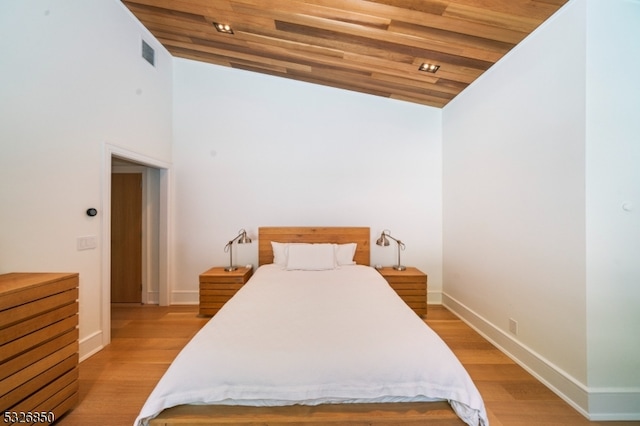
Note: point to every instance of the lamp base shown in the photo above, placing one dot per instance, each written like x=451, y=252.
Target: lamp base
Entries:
x=399, y=267
x=230, y=268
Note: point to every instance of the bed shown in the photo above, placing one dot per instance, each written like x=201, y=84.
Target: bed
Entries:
x=308, y=341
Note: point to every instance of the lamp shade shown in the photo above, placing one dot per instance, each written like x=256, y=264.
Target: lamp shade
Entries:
x=244, y=239
x=383, y=240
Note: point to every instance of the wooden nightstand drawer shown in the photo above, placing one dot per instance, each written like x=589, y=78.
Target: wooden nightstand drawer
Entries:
x=411, y=286
x=220, y=287
x=217, y=286
x=233, y=278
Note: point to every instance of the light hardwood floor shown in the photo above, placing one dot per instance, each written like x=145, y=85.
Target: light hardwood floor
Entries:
x=115, y=382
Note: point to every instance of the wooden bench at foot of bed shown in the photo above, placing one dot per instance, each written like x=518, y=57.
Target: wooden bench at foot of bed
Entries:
x=384, y=414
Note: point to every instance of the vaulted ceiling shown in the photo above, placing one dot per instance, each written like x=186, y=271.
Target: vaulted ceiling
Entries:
x=368, y=46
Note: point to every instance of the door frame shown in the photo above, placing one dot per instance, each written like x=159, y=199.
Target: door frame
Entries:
x=164, y=232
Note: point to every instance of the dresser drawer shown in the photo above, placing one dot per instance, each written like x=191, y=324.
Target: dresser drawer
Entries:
x=38, y=342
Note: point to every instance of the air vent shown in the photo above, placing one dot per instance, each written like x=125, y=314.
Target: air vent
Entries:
x=148, y=53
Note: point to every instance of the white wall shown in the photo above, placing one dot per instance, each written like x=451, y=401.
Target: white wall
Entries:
x=254, y=150
x=514, y=196
x=72, y=82
x=613, y=207
x=539, y=157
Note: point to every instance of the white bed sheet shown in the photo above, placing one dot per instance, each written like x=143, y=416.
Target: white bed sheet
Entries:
x=313, y=337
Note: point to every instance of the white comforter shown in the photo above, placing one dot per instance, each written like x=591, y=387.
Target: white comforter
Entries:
x=312, y=337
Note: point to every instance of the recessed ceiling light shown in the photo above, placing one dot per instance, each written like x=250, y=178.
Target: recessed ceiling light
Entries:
x=432, y=68
x=223, y=28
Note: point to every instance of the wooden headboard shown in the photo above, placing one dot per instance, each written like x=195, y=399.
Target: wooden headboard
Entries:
x=337, y=235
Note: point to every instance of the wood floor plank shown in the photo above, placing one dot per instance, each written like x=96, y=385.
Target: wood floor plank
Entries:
x=115, y=383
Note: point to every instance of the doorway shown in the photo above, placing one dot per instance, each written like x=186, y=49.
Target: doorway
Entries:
x=156, y=250
x=126, y=238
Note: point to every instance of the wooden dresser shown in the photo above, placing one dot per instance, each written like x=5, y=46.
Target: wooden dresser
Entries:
x=217, y=286
x=38, y=346
x=411, y=286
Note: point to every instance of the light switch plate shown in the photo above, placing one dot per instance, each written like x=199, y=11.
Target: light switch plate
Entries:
x=86, y=243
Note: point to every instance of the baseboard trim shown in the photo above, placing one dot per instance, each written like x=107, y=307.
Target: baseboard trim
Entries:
x=561, y=383
x=185, y=297
x=90, y=345
x=434, y=298
x=621, y=404
x=596, y=404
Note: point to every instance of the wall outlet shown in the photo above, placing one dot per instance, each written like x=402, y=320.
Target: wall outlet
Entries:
x=513, y=326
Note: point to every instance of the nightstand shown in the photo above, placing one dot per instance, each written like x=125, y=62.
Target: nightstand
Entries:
x=217, y=286
x=411, y=286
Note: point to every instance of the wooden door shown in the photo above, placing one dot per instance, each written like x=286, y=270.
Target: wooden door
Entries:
x=126, y=238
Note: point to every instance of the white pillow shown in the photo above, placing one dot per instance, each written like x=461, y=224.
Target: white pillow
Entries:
x=345, y=253
x=311, y=257
x=279, y=253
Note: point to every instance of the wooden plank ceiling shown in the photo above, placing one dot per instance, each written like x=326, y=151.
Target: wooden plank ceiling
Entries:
x=369, y=46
